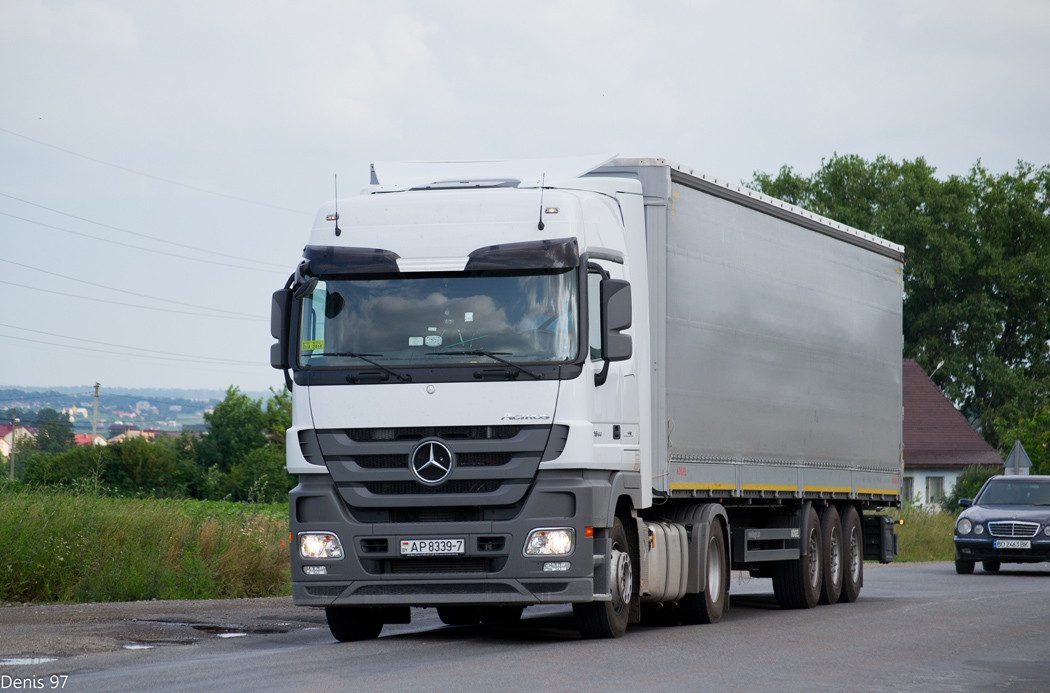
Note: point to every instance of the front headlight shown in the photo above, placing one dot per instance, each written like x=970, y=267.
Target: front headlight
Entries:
x=550, y=542
x=1046, y=530
x=978, y=529
x=963, y=527
x=314, y=545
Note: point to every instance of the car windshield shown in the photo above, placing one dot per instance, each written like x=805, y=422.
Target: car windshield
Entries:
x=521, y=317
x=1015, y=492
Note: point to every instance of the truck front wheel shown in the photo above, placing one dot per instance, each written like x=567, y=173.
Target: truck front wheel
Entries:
x=349, y=623
x=609, y=619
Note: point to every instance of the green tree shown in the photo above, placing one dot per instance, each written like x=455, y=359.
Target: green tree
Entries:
x=54, y=433
x=977, y=272
x=967, y=485
x=1034, y=434
x=236, y=427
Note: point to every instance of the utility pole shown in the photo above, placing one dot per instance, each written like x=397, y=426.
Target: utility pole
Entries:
x=14, y=421
x=94, y=416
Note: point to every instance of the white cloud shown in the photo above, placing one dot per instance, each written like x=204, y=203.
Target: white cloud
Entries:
x=88, y=22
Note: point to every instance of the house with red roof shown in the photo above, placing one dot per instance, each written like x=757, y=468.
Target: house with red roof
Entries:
x=938, y=440
x=85, y=439
x=21, y=437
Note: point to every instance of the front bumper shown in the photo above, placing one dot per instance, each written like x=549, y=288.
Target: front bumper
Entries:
x=982, y=549
x=492, y=570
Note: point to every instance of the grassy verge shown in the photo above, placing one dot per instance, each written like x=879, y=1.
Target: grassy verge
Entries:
x=80, y=546
x=926, y=535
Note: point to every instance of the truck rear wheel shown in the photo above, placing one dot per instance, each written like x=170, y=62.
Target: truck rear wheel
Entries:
x=831, y=528
x=609, y=619
x=853, y=552
x=796, y=584
x=349, y=623
x=709, y=605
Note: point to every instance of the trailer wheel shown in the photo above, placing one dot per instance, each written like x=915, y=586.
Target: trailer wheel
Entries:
x=796, y=584
x=853, y=553
x=459, y=615
x=831, y=528
x=349, y=623
x=991, y=566
x=709, y=605
x=963, y=567
x=609, y=619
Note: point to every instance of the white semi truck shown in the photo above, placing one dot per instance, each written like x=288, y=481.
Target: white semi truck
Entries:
x=588, y=381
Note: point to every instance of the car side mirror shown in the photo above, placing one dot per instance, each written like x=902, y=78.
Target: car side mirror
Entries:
x=965, y=502
x=280, y=310
x=616, y=316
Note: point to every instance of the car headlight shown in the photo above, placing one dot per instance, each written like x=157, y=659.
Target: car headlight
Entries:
x=1046, y=530
x=978, y=529
x=314, y=545
x=550, y=542
x=964, y=526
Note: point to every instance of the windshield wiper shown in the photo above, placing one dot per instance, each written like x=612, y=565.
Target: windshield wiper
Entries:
x=491, y=355
x=403, y=378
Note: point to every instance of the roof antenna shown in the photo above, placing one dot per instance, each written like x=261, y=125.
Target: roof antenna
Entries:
x=542, y=179
x=335, y=217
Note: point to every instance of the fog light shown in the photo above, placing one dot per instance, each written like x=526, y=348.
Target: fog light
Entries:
x=315, y=569
x=964, y=526
x=978, y=529
x=319, y=545
x=550, y=542
x=552, y=567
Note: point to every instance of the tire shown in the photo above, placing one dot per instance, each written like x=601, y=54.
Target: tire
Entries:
x=991, y=566
x=831, y=530
x=609, y=619
x=459, y=615
x=709, y=605
x=852, y=554
x=500, y=614
x=796, y=584
x=964, y=567
x=349, y=624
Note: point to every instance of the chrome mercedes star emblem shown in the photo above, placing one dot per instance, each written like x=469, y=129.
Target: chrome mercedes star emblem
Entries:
x=431, y=462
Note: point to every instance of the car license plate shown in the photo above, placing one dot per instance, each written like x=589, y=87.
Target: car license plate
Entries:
x=1012, y=544
x=431, y=547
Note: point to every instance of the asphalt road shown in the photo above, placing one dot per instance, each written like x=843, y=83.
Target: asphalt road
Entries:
x=916, y=627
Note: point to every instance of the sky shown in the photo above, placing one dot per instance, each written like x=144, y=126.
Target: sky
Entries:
x=161, y=163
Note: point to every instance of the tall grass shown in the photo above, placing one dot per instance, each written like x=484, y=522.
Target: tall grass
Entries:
x=926, y=535
x=77, y=545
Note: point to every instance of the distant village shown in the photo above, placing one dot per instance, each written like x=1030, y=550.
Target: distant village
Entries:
x=119, y=416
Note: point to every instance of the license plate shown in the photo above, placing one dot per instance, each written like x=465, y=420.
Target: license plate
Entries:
x=1012, y=544
x=431, y=547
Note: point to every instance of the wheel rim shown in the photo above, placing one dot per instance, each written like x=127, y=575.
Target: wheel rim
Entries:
x=714, y=570
x=835, y=556
x=624, y=575
x=814, y=559
x=854, y=556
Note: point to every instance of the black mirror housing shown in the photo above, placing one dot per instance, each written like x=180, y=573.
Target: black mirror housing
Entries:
x=280, y=312
x=966, y=502
x=616, y=316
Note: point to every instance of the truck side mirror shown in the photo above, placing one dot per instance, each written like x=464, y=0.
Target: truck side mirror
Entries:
x=280, y=310
x=616, y=316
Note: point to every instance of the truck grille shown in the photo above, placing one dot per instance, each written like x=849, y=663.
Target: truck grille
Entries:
x=466, y=459
x=399, y=488
x=371, y=435
x=439, y=565
x=1013, y=529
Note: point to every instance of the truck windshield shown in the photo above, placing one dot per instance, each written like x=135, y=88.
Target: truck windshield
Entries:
x=521, y=316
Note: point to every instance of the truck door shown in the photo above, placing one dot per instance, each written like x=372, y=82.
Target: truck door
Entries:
x=614, y=409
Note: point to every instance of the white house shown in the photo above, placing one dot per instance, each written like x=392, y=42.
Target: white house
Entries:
x=938, y=440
